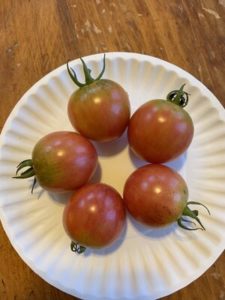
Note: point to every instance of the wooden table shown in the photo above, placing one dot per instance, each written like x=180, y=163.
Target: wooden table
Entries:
x=36, y=36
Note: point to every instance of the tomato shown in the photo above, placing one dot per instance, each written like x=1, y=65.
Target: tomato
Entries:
x=156, y=195
x=61, y=161
x=99, y=109
x=94, y=216
x=160, y=131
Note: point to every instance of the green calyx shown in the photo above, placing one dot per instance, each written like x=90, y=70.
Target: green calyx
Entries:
x=87, y=74
x=191, y=214
x=178, y=97
x=77, y=248
x=29, y=172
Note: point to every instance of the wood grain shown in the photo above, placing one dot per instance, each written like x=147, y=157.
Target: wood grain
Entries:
x=37, y=36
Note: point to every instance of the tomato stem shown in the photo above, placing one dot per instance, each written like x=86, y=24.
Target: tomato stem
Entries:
x=193, y=214
x=77, y=248
x=29, y=172
x=178, y=97
x=87, y=74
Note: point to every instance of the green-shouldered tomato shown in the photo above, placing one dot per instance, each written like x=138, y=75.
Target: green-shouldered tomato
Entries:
x=159, y=130
x=156, y=195
x=99, y=109
x=61, y=161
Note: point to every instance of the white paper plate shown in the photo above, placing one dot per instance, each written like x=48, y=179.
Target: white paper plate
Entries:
x=143, y=263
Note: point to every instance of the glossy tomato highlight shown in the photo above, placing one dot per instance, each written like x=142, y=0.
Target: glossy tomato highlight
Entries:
x=61, y=161
x=94, y=216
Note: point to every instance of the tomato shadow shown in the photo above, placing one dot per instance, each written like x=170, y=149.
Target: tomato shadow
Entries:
x=36, y=190
x=113, y=147
x=136, y=160
x=152, y=232
x=111, y=248
x=60, y=198
x=176, y=164
x=97, y=176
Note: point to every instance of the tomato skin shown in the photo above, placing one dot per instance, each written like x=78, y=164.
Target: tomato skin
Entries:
x=94, y=216
x=160, y=131
x=63, y=161
x=155, y=195
x=100, y=111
